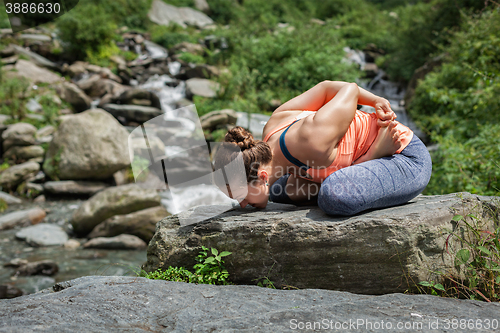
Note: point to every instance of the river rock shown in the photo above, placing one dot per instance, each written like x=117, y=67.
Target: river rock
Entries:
x=44, y=267
x=117, y=200
x=35, y=58
x=201, y=87
x=136, y=113
x=165, y=14
x=372, y=253
x=141, y=224
x=74, y=187
x=202, y=5
x=187, y=47
x=18, y=153
x=70, y=93
x=117, y=303
x=213, y=119
x=10, y=60
x=8, y=291
x=43, y=234
x=15, y=175
x=22, y=218
x=9, y=199
x=129, y=96
x=76, y=69
x=121, y=242
x=104, y=72
x=19, y=134
x=89, y=145
x=34, y=73
x=72, y=244
x=45, y=131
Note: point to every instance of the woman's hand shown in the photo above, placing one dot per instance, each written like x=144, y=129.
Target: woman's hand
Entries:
x=384, y=112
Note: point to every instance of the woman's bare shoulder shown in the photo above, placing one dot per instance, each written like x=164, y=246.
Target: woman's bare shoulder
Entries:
x=279, y=118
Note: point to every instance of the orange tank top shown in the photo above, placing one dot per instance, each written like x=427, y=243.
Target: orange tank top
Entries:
x=355, y=143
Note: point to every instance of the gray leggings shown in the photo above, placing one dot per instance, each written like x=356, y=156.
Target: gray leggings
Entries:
x=384, y=182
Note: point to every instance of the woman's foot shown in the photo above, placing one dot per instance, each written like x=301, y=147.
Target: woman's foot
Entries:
x=386, y=144
x=387, y=141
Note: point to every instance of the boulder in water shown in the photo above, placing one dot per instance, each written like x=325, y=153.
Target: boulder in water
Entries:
x=121, y=242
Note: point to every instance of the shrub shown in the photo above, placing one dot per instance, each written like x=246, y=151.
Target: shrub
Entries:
x=82, y=34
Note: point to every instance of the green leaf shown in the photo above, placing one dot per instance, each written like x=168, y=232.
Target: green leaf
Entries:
x=484, y=250
x=209, y=260
x=457, y=218
x=463, y=256
x=425, y=284
x=214, y=251
x=225, y=253
x=439, y=286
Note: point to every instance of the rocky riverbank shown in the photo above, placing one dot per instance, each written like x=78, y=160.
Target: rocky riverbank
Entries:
x=104, y=304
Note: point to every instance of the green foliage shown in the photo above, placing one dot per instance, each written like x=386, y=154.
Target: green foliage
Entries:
x=178, y=274
x=3, y=205
x=130, y=13
x=418, y=29
x=4, y=18
x=209, y=270
x=477, y=264
x=168, y=36
x=82, y=34
x=458, y=105
x=14, y=93
x=192, y=58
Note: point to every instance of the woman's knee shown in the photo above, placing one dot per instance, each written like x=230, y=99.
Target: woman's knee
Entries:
x=336, y=199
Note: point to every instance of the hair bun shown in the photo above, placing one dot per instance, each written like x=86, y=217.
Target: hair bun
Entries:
x=243, y=138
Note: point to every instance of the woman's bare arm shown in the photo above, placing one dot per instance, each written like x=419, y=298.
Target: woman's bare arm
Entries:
x=322, y=93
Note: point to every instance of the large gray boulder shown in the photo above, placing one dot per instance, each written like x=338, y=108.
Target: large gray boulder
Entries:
x=123, y=304
x=89, y=145
x=117, y=200
x=376, y=252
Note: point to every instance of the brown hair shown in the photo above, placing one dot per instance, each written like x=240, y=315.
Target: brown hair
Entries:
x=255, y=152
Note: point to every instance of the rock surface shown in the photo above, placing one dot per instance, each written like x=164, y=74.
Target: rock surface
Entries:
x=164, y=14
x=22, y=218
x=43, y=267
x=70, y=93
x=135, y=113
x=371, y=253
x=16, y=174
x=89, y=145
x=43, y=234
x=104, y=304
x=201, y=87
x=19, y=134
x=121, y=242
x=74, y=187
x=117, y=200
x=34, y=73
x=141, y=224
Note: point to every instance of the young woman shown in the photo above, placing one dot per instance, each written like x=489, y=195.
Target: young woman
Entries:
x=318, y=146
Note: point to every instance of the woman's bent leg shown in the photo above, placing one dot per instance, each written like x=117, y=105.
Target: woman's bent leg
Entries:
x=379, y=183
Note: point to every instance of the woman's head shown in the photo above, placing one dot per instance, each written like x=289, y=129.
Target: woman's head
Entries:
x=256, y=156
